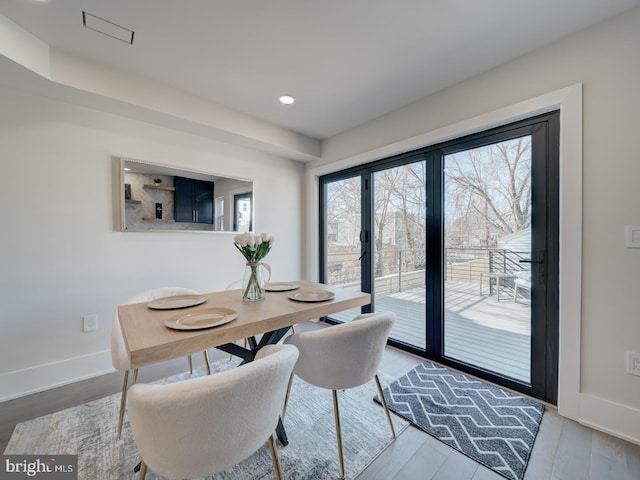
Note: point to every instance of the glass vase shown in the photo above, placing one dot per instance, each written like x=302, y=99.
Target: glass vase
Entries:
x=256, y=276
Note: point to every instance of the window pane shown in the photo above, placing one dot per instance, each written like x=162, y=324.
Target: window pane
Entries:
x=342, y=238
x=399, y=249
x=487, y=206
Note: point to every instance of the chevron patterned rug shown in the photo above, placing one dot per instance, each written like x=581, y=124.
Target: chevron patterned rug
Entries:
x=492, y=426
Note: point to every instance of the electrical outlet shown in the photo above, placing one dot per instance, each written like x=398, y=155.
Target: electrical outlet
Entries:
x=633, y=363
x=90, y=323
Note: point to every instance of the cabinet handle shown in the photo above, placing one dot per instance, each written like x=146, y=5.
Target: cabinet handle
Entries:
x=196, y=216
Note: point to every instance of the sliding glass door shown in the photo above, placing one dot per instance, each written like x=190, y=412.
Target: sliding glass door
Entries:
x=373, y=238
x=460, y=240
x=487, y=247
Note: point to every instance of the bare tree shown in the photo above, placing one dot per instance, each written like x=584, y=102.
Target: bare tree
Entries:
x=343, y=210
x=384, y=187
x=400, y=208
x=490, y=187
x=411, y=194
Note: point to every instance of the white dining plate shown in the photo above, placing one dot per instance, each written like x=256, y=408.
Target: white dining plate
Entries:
x=312, y=296
x=281, y=287
x=202, y=318
x=177, y=301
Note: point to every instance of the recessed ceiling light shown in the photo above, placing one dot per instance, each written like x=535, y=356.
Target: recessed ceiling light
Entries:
x=287, y=99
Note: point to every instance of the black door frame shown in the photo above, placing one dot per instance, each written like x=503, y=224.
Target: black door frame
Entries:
x=545, y=292
x=545, y=133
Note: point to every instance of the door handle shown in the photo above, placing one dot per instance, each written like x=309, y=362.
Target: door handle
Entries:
x=525, y=260
x=364, y=238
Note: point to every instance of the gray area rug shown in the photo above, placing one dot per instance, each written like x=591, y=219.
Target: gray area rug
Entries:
x=492, y=426
x=89, y=430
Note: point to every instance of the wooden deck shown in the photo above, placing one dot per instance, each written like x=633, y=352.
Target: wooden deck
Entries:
x=479, y=330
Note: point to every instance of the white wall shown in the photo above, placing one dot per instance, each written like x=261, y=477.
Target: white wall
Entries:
x=61, y=255
x=605, y=59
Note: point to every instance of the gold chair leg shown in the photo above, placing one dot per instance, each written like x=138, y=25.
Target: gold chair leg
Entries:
x=274, y=457
x=286, y=397
x=293, y=329
x=123, y=402
x=123, y=398
x=190, y=365
x=384, y=404
x=206, y=362
x=336, y=413
x=143, y=470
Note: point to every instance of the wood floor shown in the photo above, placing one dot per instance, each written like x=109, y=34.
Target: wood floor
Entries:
x=564, y=450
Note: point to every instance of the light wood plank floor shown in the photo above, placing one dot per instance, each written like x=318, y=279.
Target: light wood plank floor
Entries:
x=564, y=450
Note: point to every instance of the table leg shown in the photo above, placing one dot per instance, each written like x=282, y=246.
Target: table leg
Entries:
x=281, y=433
x=273, y=337
x=246, y=354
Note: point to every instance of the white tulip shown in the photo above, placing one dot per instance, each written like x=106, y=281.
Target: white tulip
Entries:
x=253, y=246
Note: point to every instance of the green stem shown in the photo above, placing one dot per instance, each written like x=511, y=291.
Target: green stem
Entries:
x=252, y=284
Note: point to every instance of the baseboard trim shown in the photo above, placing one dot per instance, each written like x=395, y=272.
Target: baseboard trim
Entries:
x=612, y=418
x=44, y=377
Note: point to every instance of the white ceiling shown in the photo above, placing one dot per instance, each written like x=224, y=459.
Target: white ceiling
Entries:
x=345, y=61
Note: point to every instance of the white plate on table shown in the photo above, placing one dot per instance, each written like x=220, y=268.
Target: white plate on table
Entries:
x=177, y=301
x=281, y=287
x=312, y=296
x=202, y=318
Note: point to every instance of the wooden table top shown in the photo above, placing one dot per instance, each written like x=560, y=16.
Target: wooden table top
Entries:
x=149, y=341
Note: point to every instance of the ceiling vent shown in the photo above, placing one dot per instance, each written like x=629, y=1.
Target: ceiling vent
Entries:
x=107, y=28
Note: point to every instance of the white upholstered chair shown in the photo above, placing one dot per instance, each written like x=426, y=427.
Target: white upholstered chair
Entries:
x=200, y=426
x=344, y=356
x=119, y=356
